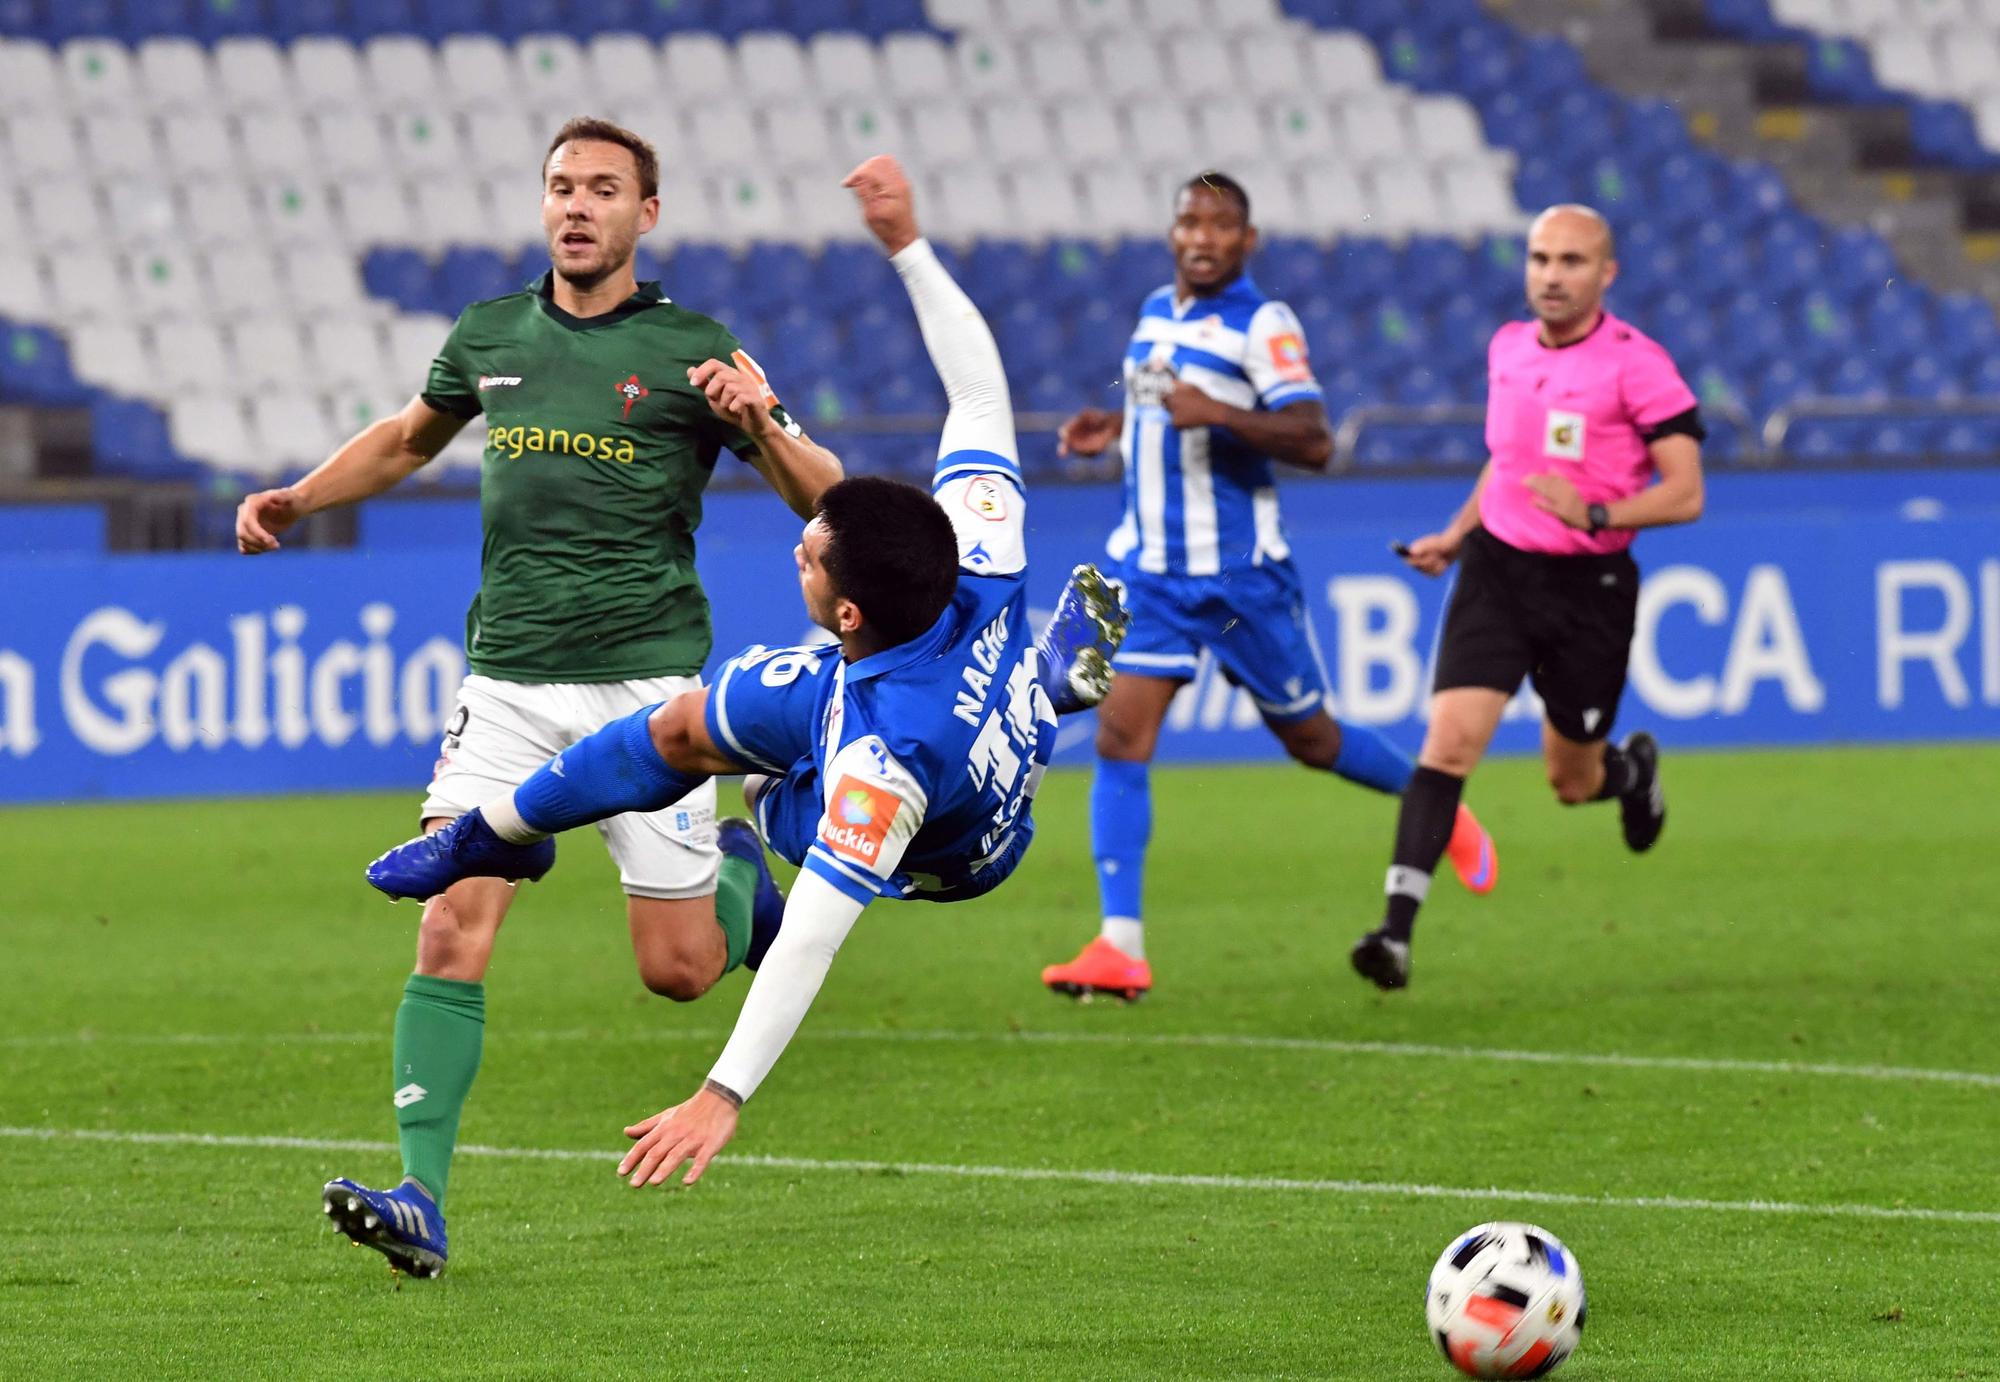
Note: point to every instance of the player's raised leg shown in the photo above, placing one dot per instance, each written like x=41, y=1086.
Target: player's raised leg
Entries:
x=1080, y=640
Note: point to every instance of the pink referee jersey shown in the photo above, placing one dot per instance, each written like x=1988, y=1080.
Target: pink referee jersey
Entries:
x=1580, y=410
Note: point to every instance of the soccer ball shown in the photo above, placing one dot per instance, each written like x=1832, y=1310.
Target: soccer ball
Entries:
x=1506, y=1300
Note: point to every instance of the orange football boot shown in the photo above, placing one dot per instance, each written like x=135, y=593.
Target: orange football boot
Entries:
x=1472, y=854
x=1101, y=967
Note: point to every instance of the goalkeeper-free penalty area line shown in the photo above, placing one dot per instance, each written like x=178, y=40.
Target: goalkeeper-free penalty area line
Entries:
x=1057, y=1174
x=1244, y=1041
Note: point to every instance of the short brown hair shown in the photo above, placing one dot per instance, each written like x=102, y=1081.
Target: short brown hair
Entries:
x=590, y=127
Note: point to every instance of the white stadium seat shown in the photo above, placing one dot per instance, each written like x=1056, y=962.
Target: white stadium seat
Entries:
x=479, y=74
x=191, y=357
x=251, y=74
x=1969, y=60
x=346, y=353
x=269, y=354
x=971, y=202
x=1202, y=68
x=1277, y=59
x=1275, y=204
x=220, y=213
x=721, y=136
x=942, y=133
x=1230, y=135
x=212, y=429
x=241, y=282
x=99, y=75
x=401, y=70
x=425, y=143
x=1129, y=68
x=1988, y=118
x=1058, y=66
x=1018, y=136
x=1374, y=129
x=750, y=205
x=1332, y=201
x=1180, y=16
x=324, y=280
x=822, y=210
x=916, y=66
x=1904, y=60
x=296, y=210
x=277, y=143
x=1045, y=205
x=290, y=430
x=1342, y=62
x=548, y=70
x=1108, y=18
x=327, y=74
x=1118, y=202
x=199, y=143
x=144, y=211
x=120, y=145
x=796, y=136
x=448, y=212
x=1247, y=16
x=1445, y=127
x=176, y=75
x=843, y=65
x=1087, y=133
x=1020, y=17
x=1479, y=196
x=771, y=67
x=960, y=14
x=43, y=143
x=352, y=407
x=622, y=68
x=687, y=208
x=164, y=283
x=414, y=341
x=869, y=127
x=86, y=285
x=513, y=206
x=29, y=77
x=699, y=68
x=352, y=144
x=1820, y=16
x=376, y=211
x=988, y=67
x=1162, y=136
x=24, y=292
x=112, y=355
x=1404, y=200
x=505, y=142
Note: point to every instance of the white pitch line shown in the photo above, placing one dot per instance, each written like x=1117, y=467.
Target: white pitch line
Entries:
x=1060, y=1174
x=1894, y=1074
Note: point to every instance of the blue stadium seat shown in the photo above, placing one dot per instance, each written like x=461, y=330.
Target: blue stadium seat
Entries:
x=799, y=343
x=1902, y=438
x=21, y=19
x=1825, y=439
x=1138, y=267
x=139, y=20
x=516, y=18
x=295, y=19
x=1943, y=132
x=999, y=272
x=1421, y=387
x=739, y=17
x=1071, y=271
x=1362, y=272
x=823, y=401
x=877, y=18
x=440, y=19
x=884, y=341
x=1051, y=391
x=1030, y=339
x=81, y=19
x=467, y=275
x=1859, y=261
x=1430, y=268
x=1925, y=377
x=905, y=391
x=849, y=276
x=1099, y=335
x=772, y=276
x=403, y=276
x=1970, y=439
x=1780, y=382
x=590, y=17
x=130, y=438
x=1345, y=387
x=1853, y=377
x=218, y=19
x=702, y=277
x=1838, y=69
x=1984, y=377
x=34, y=368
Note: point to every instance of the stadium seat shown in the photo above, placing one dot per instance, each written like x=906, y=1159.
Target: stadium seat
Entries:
x=129, y=437
x=176, y=75
x=987, y=66
x=916, y=66
x=942, y=134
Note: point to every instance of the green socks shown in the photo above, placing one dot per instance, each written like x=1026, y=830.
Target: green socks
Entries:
x=735, y=892
x=438, y=1031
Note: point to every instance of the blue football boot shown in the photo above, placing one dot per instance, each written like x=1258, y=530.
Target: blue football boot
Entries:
x=738, y=838
x=402, y=1224
x=467, y=848
x=1080, y=640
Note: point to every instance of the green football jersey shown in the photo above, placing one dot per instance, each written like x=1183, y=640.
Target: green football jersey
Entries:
x=597, y=452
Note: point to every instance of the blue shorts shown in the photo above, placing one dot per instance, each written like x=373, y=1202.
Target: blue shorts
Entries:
x=1254, y=622
x=764, y=702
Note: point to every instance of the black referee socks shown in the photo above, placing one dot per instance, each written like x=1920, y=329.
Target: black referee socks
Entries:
x=1621, y=774
x=1423, y=829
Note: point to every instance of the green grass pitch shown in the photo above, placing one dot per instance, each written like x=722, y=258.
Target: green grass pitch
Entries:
x=1813, y=941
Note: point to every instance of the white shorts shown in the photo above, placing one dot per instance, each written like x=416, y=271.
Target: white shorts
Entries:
x=501, y=731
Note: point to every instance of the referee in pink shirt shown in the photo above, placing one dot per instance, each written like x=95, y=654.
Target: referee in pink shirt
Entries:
x=1592, y=434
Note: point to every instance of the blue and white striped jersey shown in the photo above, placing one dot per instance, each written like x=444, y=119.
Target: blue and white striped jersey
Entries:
x=1200, y=502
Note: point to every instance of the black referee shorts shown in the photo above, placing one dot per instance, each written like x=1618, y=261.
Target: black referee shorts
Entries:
x=1564, y=621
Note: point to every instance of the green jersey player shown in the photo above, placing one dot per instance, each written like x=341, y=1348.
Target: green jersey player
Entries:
x=606, y=407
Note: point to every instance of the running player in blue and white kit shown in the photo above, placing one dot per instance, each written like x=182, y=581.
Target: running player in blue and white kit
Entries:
x=1218, y=385
x=898, y=761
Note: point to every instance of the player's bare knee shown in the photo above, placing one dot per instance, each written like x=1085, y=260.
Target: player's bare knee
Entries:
x=673, y=728
x=1126, y=743
x=1572, y=786
x=682, y=978
x=1314, y=742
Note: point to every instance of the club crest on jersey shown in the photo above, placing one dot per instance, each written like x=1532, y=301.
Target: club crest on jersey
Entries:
x=631, y=391
x=1564, y=439
x=984, y=497
x=858, y=817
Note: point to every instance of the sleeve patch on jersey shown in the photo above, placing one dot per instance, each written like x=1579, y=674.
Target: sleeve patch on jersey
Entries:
x=987, y=499
x=750, y=367
x=858, y=817
x=1288, y=356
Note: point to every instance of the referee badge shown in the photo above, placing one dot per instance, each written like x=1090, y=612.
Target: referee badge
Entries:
x=1564, y=439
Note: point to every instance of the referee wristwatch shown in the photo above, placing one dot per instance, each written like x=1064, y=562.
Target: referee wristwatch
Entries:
x=1598, y=517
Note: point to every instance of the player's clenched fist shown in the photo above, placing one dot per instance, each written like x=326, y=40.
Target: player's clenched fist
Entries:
x=1089, y=432
x=262, y=516
x=735, y=395
x=1432, y=553
x=883, y=190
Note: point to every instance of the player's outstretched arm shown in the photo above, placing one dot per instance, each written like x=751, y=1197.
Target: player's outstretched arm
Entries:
x=793, y=464
x=377, y=458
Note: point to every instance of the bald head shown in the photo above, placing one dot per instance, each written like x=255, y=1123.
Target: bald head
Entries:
x=1570, y=265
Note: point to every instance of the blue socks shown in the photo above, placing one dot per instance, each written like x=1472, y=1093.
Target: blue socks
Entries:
x=1121, y=823
x=606, y=774
x=1371, y=760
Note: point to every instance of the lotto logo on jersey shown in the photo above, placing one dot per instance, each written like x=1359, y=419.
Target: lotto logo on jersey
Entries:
x=858, y=817
x=1288, y=356
x=1565, y=436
